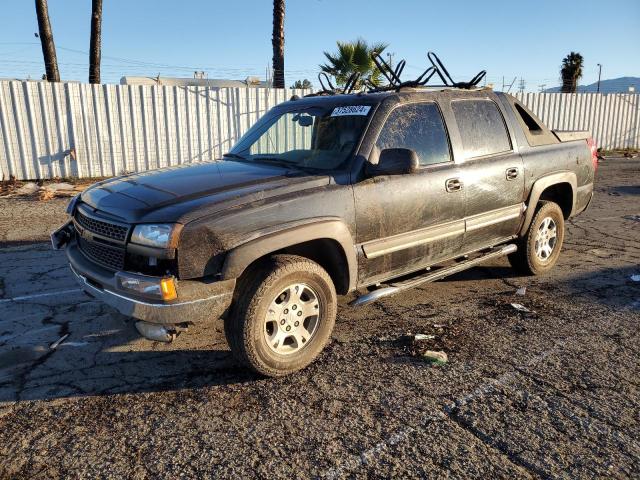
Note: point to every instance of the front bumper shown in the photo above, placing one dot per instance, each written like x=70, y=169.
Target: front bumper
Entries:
x=197, y=301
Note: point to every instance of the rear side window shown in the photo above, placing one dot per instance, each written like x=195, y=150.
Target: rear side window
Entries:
x=528, y=120
x=532, y=127
x=418, y=127
x=481, y=126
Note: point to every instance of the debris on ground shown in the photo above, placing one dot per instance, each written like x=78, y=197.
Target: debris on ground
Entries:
x=60, y=186
x=57, y=343
x=635, y=218
x=635, y=278
x=27, y=189
x=435, y=358
x=420, y=337
x=521, y=308
x=45, y=190
x=522, y=291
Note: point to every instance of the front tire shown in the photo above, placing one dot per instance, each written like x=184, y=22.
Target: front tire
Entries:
x=539, y=249
x=283, y=317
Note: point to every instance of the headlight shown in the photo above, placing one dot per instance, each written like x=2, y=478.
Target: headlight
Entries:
x=153, y=235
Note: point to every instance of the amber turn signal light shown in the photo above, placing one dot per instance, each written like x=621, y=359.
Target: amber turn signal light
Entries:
x=168, y=287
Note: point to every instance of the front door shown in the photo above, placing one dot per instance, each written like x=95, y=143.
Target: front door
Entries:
x=407, y=222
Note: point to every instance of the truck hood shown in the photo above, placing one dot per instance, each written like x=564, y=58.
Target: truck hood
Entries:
x=180, y=193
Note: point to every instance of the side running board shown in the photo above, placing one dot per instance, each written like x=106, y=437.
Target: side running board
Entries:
x=441, y=273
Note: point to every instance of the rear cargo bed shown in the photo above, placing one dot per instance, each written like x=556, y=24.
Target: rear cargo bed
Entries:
x=571, y=135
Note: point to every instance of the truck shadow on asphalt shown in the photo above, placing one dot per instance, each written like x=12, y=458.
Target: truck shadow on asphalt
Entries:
x=69, y=372
x=104, y=355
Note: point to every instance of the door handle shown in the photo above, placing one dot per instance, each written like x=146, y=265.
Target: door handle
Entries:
x=453, y=185
x=512, y=173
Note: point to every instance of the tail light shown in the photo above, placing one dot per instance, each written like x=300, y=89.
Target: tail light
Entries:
x=591, y=143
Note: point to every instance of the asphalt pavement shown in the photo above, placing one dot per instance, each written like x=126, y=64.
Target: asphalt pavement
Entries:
x=549, y=393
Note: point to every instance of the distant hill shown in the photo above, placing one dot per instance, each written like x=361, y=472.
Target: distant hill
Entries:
x=613, y=85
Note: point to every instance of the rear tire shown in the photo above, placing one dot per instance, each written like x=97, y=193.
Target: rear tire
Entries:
x=539, y=249
x=283, y=316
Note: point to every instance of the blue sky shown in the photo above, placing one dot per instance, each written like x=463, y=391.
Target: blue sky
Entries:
x=232, y=39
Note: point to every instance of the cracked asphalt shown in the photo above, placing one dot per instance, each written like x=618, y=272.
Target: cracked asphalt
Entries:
x=553, y=393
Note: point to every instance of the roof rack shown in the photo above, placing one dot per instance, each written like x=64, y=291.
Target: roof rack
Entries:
x=329, y=89
x=436, y=68
x=393, y=75
x=395, y=83
x=446, y=78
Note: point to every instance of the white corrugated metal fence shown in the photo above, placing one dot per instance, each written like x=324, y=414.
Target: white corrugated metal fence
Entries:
x=52, y=130
x=613, y=119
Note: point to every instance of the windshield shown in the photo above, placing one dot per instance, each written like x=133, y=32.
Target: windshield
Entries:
x=320, y=138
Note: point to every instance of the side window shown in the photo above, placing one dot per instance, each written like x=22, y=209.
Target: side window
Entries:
x=481, y=127
x=420, y=128
x=532, y=127
x=528, y=120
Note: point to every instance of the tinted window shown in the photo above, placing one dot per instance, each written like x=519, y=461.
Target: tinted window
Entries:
x=311, y=137
x=481, y=127
x=528, y=120
x=420, y=128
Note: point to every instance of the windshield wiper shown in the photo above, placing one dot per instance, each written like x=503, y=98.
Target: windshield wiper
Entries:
x=283, y=163
x=234, y=155
x=274, y=161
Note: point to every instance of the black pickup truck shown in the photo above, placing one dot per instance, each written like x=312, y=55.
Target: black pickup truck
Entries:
x=324, y=196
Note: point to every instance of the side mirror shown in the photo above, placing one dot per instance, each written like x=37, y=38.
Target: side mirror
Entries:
x=394, y=161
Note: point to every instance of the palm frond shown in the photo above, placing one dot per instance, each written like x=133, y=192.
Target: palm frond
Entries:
x=353, y=57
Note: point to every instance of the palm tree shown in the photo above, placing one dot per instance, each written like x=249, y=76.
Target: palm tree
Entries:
x=94, y=43
x=46, y=39
x=277, y=41
x=571, y=72
x=354, y=57
x=304, y=84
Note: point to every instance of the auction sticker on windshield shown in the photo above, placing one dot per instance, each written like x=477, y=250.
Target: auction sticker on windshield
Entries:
x=351, y=110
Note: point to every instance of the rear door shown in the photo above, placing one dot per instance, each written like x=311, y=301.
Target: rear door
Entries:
x=492, y=173
x=404, y=222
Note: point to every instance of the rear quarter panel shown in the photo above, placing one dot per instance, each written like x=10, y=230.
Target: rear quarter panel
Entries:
x=544, y=160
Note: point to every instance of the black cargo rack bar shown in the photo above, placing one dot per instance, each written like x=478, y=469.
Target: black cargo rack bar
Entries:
x=447, y=81
x=393, y=77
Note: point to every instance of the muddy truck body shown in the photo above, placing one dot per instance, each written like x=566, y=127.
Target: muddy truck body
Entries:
x=326, y=196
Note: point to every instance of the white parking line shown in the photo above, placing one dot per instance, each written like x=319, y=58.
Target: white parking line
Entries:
x=39, y=295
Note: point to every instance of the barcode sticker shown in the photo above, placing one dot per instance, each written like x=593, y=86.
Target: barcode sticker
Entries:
x=351, y=110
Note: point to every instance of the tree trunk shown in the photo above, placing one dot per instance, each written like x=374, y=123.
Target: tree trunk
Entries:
x=46, y=39
x=569, y=84
x=94, y=47
x=278, y=43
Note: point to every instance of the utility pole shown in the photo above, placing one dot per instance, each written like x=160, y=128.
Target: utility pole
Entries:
x=522, y=85
x=390, y=57
x=541, y=87
x=599, y=74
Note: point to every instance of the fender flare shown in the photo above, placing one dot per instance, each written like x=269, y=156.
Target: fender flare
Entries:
x=540, y=186
x=240, y=257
